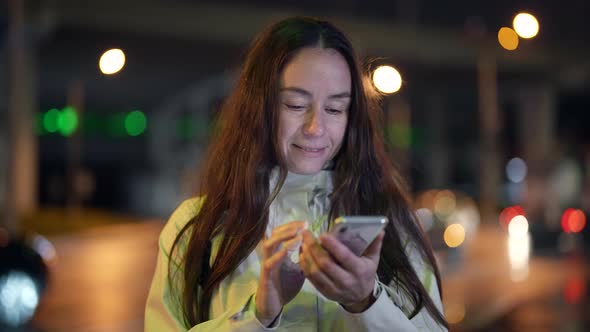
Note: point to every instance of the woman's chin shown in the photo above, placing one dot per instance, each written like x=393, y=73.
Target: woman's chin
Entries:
x=306, y=169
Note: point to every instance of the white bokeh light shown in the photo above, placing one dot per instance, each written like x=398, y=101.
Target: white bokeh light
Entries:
x=519, y=248
x=519, y=253
x=525, y=25
x=387, y=79
x=518, y=227
x=112, y=61
x=18, y=298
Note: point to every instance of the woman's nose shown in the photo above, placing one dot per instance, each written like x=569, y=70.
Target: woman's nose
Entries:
x=314, y=125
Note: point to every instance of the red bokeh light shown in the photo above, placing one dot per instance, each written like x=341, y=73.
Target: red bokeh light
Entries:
x=565, y=220
x=509, y=213
x=573, y=220
x=575, y=290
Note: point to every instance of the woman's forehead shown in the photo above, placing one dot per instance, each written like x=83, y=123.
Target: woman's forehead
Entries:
x=313, y=69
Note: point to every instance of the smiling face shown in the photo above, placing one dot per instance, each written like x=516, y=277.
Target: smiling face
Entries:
x=314, y=101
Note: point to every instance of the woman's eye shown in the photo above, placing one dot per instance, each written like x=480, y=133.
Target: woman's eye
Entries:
x=333, y=111
x=294, y=107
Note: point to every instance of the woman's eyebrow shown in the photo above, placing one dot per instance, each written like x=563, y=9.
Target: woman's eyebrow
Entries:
x=309, y=94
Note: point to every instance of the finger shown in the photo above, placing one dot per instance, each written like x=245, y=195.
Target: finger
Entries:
x=315, y=275
x=293, y=243
x=373, y=252
x=287, y=230
x=298, y=224
x=273, y=261
x=326, y=263
x=305, y=259
x=346, y=258
x=269, y=246
x=308, y=237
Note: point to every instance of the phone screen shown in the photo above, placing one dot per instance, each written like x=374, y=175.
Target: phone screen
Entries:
x=358, y=232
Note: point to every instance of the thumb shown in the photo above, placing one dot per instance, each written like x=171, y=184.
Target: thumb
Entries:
x=373, y=252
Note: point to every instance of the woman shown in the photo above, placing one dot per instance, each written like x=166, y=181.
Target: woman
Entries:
x=300, y=145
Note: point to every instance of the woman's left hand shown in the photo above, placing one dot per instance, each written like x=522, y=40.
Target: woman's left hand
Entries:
x=338, y=273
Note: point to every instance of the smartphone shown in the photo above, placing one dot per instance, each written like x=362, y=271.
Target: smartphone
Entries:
x=357, y=232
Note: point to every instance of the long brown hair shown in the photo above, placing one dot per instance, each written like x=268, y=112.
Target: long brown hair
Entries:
x=240, y=160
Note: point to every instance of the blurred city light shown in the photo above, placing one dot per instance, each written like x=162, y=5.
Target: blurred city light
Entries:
x=445, y=207
x=444, y=203
x=519, y=247
x=19, y=297
x=387, y=79
x=23, y=278
x=573, y=220
x=565, y=225
x=112, y=61
x=116, y=125
x=454, y=235
x=135, y=123
x=44, y=248
x=518, y=226
x=426, y=199
x=508, y=38
x=454, y=312
x=519, y=252
x=574, y=290
x=525, y=25
x=516, y=170
x=67, y=122
x=50, y=120
x=465, y=214
x=508, y=214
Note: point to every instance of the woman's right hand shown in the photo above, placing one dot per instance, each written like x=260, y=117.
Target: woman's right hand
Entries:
x=280, y=279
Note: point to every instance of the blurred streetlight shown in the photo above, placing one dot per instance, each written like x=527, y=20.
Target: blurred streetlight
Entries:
x=135, y=123
x=387, y=79
x=508, y=38
x=111, y=61
x=525, y=25
x=518, y=227
x=454, y=235
x=516, y=170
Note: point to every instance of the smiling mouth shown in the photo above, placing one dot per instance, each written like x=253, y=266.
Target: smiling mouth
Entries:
x=308, y=149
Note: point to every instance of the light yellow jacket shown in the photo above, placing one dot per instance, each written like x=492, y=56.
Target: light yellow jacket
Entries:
x=232, y=304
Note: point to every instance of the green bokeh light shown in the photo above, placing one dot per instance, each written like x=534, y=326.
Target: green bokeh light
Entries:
x=51, y=119
x=116, y=125
x=67, y=121
x=135, y=123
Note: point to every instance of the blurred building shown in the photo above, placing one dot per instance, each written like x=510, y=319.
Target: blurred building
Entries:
x=467, y=106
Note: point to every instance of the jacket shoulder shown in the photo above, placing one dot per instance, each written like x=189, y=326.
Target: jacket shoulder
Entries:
x=182, y=215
